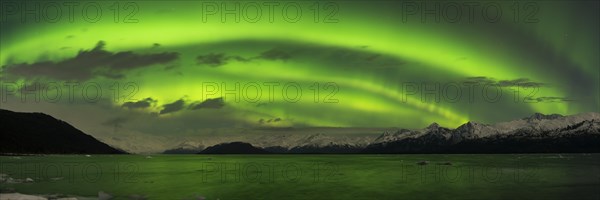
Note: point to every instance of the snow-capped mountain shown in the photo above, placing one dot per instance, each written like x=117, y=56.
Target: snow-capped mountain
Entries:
x=531, y=134
x=537, y=133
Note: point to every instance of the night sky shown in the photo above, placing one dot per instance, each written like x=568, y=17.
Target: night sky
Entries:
x=370, y=62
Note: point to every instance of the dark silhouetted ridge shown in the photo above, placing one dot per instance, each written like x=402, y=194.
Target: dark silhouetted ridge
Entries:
x=39, y=133
x=233, y=148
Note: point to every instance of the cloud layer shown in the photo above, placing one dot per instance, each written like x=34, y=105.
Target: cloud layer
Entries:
x=90, y=63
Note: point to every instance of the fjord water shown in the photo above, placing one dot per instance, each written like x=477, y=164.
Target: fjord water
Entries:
x=531, y=176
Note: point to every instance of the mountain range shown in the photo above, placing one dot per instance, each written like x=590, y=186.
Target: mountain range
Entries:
x=538, y=133
x=38, y=133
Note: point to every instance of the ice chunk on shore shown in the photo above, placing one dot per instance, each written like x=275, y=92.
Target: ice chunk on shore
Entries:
x=104, y=196
x=19, y=196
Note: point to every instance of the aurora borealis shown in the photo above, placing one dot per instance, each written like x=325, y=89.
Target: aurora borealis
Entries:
x=357, y=63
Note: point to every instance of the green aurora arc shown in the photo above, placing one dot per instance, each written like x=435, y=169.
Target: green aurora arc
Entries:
x=370, y=54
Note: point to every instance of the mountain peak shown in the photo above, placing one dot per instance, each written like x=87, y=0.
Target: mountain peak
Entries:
x=540, y=116
x=433, y=126
x=470, y=126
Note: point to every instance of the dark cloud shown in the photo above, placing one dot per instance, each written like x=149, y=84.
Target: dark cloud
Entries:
x=268, y=121
x=348, y=58
x=212, y=59
x=110, y=74
x=172, y=107
x=547, y=99
x=520, y=82
x=116, y=122
x=87, y=64
x=215, y=103
x=170, y=67
x=145, y=103
x=479, y=80
x=275, y=54
x=240, y=59
x=218, y=59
